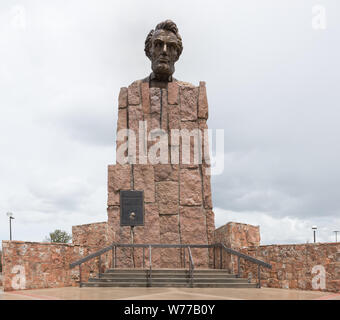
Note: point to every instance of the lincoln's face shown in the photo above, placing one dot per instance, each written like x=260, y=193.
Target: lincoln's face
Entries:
x=164, y=53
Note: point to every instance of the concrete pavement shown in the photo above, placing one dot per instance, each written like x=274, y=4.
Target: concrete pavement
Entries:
x=74, y=293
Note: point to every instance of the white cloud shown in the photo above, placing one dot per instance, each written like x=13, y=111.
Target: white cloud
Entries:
x=280, y=230
x=272, y=84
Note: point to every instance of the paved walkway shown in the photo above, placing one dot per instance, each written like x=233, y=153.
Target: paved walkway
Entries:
x=73, y=293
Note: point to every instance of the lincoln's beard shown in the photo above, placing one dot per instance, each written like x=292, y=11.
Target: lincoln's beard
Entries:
x=163, y=70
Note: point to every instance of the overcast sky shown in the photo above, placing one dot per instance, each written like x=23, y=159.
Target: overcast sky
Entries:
x=272, y=82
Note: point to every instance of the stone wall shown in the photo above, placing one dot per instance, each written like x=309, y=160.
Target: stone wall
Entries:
x=177, y=197
x=94, y=235
x=292, y=264
x=1, y=269
x=236, y=236
x=44, y=265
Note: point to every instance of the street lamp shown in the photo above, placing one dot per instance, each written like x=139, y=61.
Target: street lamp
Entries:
x=336, y=235
x=314, y=228
x=10, y=216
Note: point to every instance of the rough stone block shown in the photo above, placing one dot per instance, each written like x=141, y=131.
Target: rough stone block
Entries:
x=145, y=98
x=167, y=197
x=134, y=93
x=119, y=178
x=190, y=145
x=174, y=117
x=164, y=110
x=172, y=93
x=162, y=172
x=210, y=223
x=155, y=100
x=169, y=234
x=94, y=234
x=193, y=230
x=207, y=199
x=190, y=187
x=123, y=98
x=121, y=124
x=119, y=234
x=166, y=172
x=144, y=180
x=135, y=117
x=202, y=101
x=150, y=233
x=169, y=229
x=202, y=124
x=113, y=222
x=193, y=225
x=189, y=97
x=122, y=119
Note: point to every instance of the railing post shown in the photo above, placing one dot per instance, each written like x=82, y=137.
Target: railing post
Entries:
x=115, y=264
x=80, y=275
x=191, y=267
x=113, y=257
x=259, y=276
x=99, y=265
x=184, y=257
x=238, y=268
x=150, y=271
x=221, y=257
x=143, y=257
x=214, y=256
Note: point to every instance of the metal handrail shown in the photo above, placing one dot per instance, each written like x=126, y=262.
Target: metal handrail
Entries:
x=191, y=267
x=239, y=255
x=91, y=256
x=246, y=257
x=222, y=247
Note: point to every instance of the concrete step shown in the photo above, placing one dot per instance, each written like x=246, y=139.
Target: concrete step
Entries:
x=164, y=275
x=170, y=280
x=203, y=278
x=225, y=285
x=169, y=285
x=219, y=271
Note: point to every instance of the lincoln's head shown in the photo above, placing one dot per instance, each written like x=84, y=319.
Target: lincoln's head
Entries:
x=163, y=46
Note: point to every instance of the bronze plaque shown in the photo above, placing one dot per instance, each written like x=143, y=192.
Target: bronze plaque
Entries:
x=131, y=208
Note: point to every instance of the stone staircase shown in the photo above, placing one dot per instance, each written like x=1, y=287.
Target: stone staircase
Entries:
x=202, y=278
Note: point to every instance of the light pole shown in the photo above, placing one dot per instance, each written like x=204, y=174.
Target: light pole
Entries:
x=336, y=235
x=314, y=228
x=10, y=216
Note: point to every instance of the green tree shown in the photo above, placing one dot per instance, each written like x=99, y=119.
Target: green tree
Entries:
x=59, y=236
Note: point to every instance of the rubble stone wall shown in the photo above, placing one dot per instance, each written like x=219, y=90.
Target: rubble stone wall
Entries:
x=297, y=266
x=294, y=266
x=34, y=265
x=94, y=235
x=235, y=236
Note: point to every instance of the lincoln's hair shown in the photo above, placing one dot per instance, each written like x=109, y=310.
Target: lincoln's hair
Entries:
x=168, y=25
